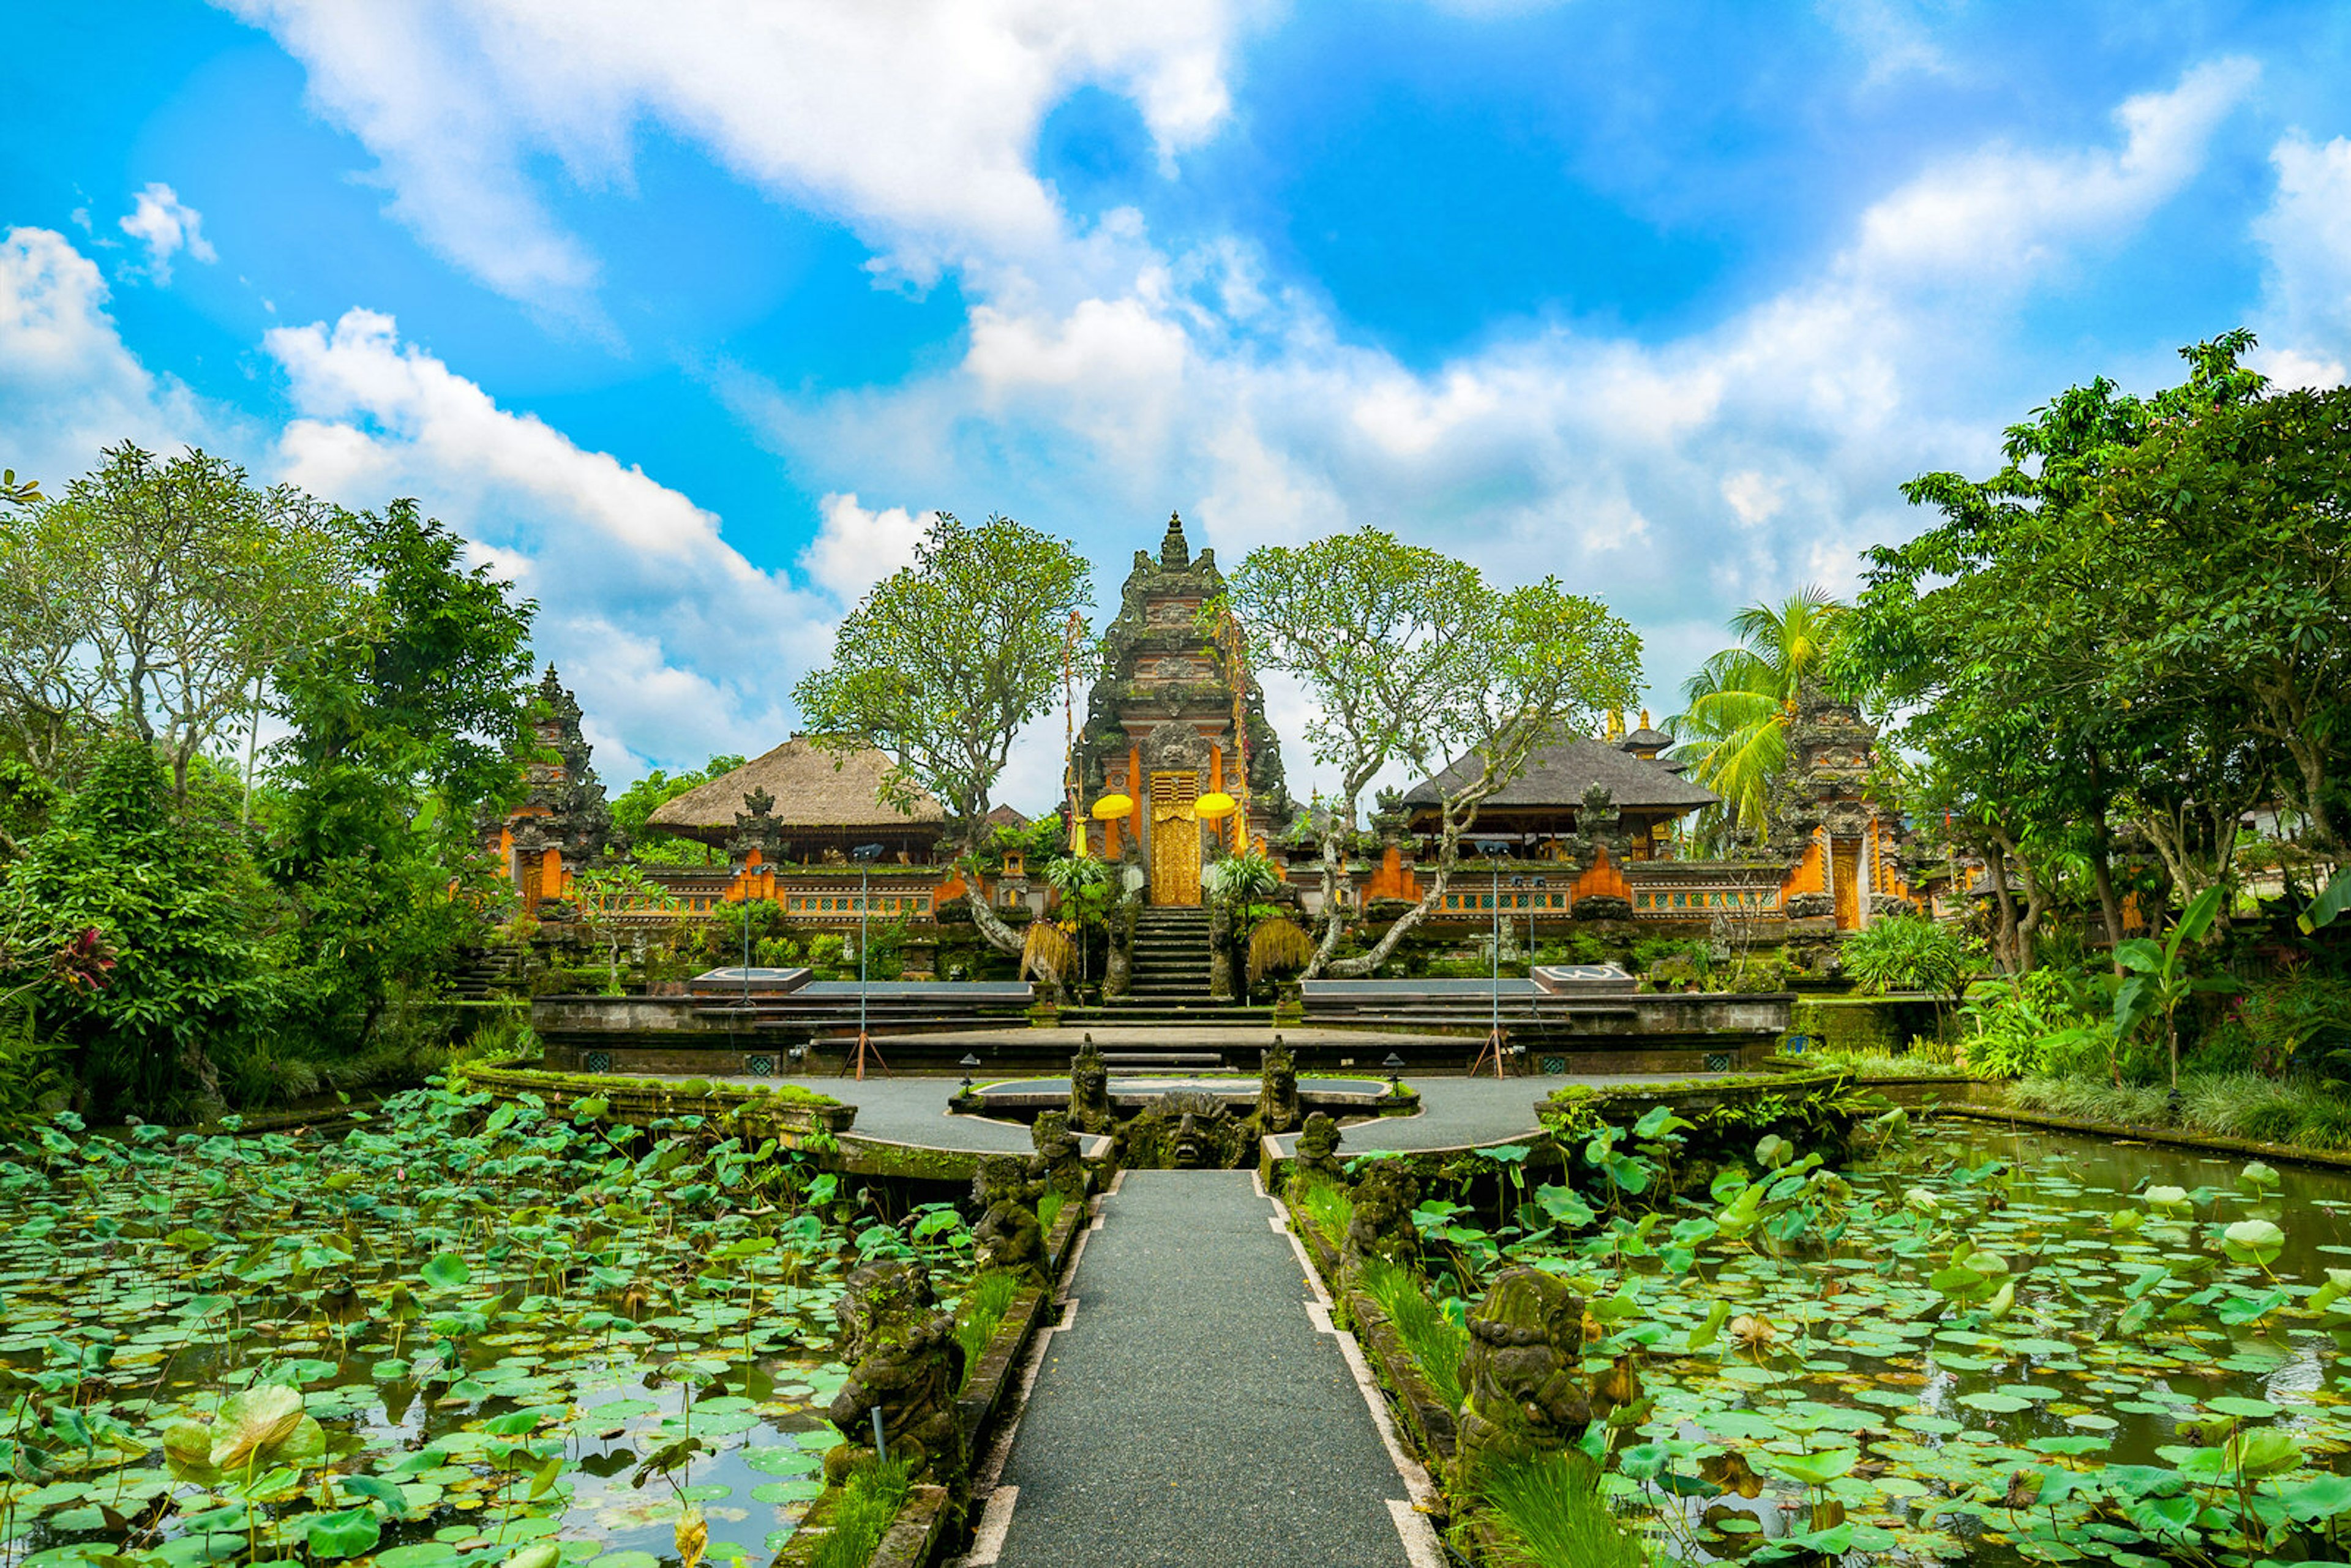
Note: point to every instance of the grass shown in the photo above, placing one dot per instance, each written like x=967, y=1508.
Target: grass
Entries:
x=1552, y=1518
x=870, y=1499
x=1434, y=1340
x=1048, y=1206
x=1871, y=1065
x=1326, y=1206
x=981, y=1314
x=2303, y=1111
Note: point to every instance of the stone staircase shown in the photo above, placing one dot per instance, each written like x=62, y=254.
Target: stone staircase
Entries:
x=1171, y=958
x=487, y=972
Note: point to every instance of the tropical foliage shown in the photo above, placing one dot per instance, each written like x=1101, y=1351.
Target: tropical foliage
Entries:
x=1733, y=727
x=2134, y=626
x=640, y=801
x=267, y=920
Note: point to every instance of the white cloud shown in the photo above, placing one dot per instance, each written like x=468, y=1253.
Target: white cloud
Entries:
x=2306, y=234
x=2003, y=215
x=854, y=549
x=915, y=121
x=1891, y=37
x=69, y=386
x=166, y=225
x=678, y=645
x=1677, y=480
x=1754, y=497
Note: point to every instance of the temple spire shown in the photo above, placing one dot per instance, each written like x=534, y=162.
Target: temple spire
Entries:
x=1175, y=550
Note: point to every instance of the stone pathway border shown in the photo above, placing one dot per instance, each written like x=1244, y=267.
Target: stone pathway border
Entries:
x=1193, y=1418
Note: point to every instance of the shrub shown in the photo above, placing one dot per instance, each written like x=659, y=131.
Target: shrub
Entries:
x=1671, y=974
x=1907, y=953
x=2301, y=1022
x=1277, y=947
x=1650, y=950
x=2016, y=1025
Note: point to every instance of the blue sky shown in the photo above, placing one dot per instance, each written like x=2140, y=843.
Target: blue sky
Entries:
x=687, y=324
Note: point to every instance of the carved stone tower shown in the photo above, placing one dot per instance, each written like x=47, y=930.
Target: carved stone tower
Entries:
x=1161, y=726
x=563, y=822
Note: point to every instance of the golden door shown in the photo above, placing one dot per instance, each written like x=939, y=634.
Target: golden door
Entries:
x=1847, y=882
x=1174, y=839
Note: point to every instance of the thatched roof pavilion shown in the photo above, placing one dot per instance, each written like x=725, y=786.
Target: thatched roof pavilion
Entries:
x=823, y=802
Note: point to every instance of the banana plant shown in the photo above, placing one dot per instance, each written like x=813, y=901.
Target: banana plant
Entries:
x=2157, y=982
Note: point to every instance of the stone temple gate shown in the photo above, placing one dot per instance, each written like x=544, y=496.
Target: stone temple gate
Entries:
x=1176, y=716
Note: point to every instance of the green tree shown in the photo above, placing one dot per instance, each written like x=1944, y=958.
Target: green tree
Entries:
x=404, y=732
x=2020, y=646
x=161, y=595
x=1411, y=656
x=640, y=801
x=1375, y=629
x=943, y=663
x=1733, y=727
x=197, y=937
x=2231, y=521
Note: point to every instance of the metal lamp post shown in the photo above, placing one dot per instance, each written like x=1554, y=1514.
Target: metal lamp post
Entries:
x=742, y=870
x=1492, y=851
x=969, y=1064
x=1394, y=1064
x=865, y=855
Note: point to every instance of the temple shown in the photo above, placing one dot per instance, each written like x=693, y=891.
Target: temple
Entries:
x=1176, y=717
x=1175, y=766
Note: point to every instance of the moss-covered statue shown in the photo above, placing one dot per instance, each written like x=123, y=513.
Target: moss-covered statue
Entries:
x=1382, y=1227
x=1277, y=1091
x=1007, y=1236
x=1523, y=1377
x=1318, y=1148
x=1188, y=1129
x=1058, y=1162
x=1089, y=1090
x=905, y=1362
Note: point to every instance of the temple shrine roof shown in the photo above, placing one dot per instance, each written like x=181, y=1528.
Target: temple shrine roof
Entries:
x=1557, y=776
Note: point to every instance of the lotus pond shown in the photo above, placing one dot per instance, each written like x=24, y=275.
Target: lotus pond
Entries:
x=451, y=1333
x=1974, y=1346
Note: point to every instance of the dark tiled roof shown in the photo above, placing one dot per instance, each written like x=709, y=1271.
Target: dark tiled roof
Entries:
x=1557, y=776
x=1646, y=739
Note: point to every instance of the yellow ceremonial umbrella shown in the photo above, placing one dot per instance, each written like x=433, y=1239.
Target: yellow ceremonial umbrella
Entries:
x=1214, y=806
x=1110, y=805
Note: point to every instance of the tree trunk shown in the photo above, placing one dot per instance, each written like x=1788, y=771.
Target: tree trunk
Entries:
x=1447, y=852
x=1333, y=926
x=2036, y=903
x=2110, y=907
x=2003, y=941
x=996, y=933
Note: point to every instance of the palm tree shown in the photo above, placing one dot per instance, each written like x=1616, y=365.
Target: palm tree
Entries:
x=1733, y=727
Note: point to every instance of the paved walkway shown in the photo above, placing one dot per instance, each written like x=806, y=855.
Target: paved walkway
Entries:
x=1456, y=1113
x=1476, y=1113
x=1197, y=1409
